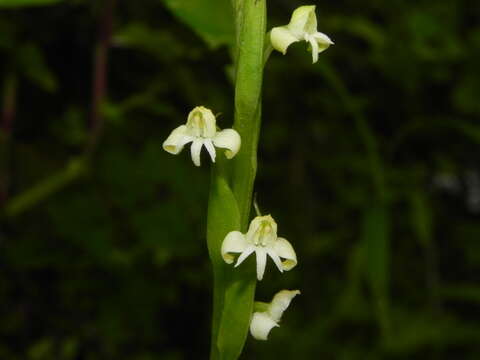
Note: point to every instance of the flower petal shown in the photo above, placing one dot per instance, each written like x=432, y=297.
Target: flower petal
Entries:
x=275, y=259
x=303, y=20
x=323, y=41
x=246, y=253
x=314, y=45
x=234, y=242
x=177, y=140
x=261, y=325
x=228, y=139
x=281, y=38
x=285, y=250
x=202, y=122
x=280, y=303
x=195, y=151
x=256, y=224
x=211, y=150
x=261, y=262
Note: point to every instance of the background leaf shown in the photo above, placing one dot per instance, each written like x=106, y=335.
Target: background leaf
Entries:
x=33, y=65
x=212, y=20
x=376, y=235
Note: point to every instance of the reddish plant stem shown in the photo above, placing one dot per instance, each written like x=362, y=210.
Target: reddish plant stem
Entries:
x=9, y=101
x=99, y=88
x=8, y=116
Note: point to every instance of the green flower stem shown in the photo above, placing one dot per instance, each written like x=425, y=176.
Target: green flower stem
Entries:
x=248, y=86
x=231, y=190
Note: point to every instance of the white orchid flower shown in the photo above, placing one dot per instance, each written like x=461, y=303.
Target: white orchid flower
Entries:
x=262, y=239
x=302, y=26
x=267, y=316
x=201, y=130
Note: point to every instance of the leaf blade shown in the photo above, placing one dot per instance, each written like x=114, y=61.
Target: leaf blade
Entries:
x=212, y=20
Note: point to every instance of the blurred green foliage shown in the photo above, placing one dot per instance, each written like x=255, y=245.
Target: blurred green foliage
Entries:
x=213, y=20
x=368, y=161
x=21, y=3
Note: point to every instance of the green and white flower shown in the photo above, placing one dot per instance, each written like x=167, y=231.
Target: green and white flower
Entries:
x=201, y=130
x=262, y=239
x=302, y=26
x=266, y=316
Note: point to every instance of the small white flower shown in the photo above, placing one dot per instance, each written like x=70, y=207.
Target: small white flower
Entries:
x=262, y=239
x=268, y=316
x=302, y=26
x=201, y=130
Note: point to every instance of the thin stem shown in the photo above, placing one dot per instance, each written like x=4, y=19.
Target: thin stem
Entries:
x=255, y=205
x=366, y=134
x=99, y=89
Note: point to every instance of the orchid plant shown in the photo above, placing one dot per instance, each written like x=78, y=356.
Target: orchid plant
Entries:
x=230, y=202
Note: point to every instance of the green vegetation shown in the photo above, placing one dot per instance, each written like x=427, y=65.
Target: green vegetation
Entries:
x=368, y=161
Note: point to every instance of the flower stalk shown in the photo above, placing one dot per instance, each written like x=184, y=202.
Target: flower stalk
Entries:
x=231, y=189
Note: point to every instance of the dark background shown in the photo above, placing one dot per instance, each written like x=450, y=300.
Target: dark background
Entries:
x=368, y=161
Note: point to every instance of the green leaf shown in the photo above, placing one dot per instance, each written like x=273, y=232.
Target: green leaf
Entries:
x=223, y=217
x=421, y=218
x=376, y=236
x=237, y=311
x=22, y=3
x=212, y=20
x=33, y=65
x=234, y=288
x=42, y=349
x=462, y=293
x=350, y=302
x=151, y=40
x=46, y=187
x=421, y=330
